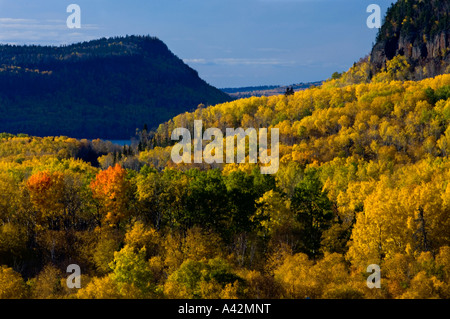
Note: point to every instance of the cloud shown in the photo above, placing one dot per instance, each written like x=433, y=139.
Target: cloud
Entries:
x=282, y=1
x=195, y=61
x=240, y=61
x=12, y=21
x=276, y=50
x=233, y=61
x=50, y=31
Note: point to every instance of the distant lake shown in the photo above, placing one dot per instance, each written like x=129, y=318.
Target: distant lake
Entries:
x=120, y=142
x=117, y=142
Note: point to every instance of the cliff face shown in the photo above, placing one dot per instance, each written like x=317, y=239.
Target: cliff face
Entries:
x=418, y=30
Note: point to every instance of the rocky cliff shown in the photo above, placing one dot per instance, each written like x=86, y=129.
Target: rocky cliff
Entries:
x=418, y=30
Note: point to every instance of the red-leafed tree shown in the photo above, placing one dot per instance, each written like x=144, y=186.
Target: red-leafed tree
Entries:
x=46, y=191
x=112, y=190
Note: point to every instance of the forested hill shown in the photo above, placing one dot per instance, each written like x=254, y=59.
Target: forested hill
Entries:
x=418, y=30
x=104, y=88
x=413, y=43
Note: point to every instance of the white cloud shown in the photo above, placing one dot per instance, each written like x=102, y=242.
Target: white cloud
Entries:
x=276, y=50
x=240, y=61
x=195, y=61
x=26, y=31
x=13, y=21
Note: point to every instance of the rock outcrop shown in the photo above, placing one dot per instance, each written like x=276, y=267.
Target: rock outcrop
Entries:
x=418, y=30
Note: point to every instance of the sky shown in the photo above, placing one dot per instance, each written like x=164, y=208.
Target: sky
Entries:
x=231, y=43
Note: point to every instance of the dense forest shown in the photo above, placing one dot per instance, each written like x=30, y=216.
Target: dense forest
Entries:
x=363, y=179
x=417, y=30
x=104, y=88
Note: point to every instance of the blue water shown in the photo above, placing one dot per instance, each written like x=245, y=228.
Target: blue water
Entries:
x=121, y=142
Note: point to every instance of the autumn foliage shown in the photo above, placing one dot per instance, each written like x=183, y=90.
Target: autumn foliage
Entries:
x=363, y=179
x=47, y=191
x=111, y=188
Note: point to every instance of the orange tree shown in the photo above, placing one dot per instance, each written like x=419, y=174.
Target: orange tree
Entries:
x=112, y=190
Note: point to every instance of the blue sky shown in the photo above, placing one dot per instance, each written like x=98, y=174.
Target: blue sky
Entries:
x=231, y=43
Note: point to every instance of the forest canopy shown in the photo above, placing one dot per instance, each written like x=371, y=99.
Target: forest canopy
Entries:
x=363, y=179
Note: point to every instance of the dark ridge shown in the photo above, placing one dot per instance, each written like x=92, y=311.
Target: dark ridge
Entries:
x=104, y=88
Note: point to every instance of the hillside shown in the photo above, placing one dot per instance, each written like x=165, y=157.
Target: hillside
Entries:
x=99, y=89
x=363, y=179
x=413, y=43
